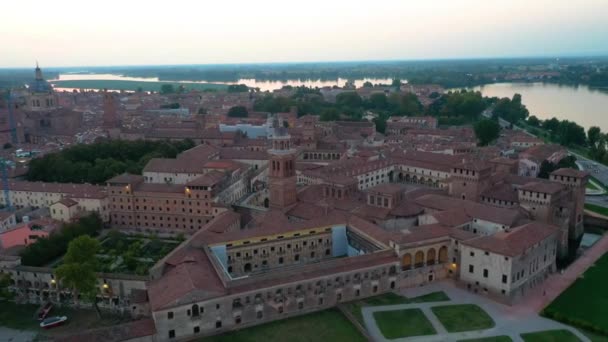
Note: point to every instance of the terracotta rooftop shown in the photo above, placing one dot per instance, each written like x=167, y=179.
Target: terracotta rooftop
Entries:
x=123, y=332
x=68, y=202
x=515, y=241
x=233, y=153
x=569, y=172
x=503, y=216
x=543, y=187
x=126, y=178
x=73, y=190
x=388, y=188
x=188, y=277
x=210, y=178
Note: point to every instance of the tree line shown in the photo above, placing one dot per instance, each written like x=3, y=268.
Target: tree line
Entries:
x=96, y=163
x=45, y=250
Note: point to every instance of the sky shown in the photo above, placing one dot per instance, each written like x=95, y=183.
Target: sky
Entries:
x=151, y=32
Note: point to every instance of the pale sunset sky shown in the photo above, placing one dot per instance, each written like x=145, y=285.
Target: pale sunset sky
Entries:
x=110, y=32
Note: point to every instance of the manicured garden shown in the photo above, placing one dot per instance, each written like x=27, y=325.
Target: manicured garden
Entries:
x=489, y=339
x=585, y=303
x=328, y=325
x=391, y=298
x=403, y=323
x=123, y=253
x=550, y=336
x=463, y=317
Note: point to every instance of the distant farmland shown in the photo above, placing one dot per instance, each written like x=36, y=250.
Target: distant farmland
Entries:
x=132, y=85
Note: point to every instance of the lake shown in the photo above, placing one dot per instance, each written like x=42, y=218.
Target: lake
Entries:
x=583, y=105
x=250, y=82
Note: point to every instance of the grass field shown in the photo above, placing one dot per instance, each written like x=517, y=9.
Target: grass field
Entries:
x=463, y=317
x=489, y=339
x=550, y=336
x=592, y=186
x=403, y=323
x=585, y=303
x=392, y=299
x=328, y=325
x=133, y=85
x=596, y=209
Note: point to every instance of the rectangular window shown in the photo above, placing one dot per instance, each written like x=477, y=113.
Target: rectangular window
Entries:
x=170, y=315
x=171, y=333
x=485, y=273
x=504, y=278
x=471, y=268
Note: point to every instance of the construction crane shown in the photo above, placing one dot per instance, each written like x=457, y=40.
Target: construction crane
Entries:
x=11, y=118
x=5, y=186
x=4, y=162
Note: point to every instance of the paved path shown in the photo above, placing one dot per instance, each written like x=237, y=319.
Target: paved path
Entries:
x=12, y=335
x=557, y=283
x=509, y=320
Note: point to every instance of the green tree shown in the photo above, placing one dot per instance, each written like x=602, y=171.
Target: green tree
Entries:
x=167, y=89
x=378, y=101
x=330, y=114
x=238, y=112
x=533, y=121
x=5, y=282
x=237, y=88
x=486, y=131
x=511, y=110
x=594, y=134
x=367, y=84
x=78, y=269
x=349, y=99
x=551, y=124
x=396, y=84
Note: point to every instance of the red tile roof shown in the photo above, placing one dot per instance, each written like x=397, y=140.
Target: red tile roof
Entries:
x=515, y=241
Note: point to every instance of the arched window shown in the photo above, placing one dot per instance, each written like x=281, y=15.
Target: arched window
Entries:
x=247, y=267
x=443, y=254
x=419, y=259
x=406, y=261
x=195, y=311
x=430, y=257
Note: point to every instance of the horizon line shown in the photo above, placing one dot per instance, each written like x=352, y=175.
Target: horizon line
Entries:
x=605, y=55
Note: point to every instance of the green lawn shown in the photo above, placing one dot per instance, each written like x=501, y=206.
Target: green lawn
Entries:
x=463, y=317
x=592, y=186
x=133, y=85
x=596, y=209
x=489, y=339
x=593, y=337
x=585, y=303
x=328, y=325
x=550, y=336
x=403, y=323
x=391, y=298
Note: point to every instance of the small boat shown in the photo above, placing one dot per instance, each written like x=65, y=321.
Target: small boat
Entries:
x=44, y=311
x=52, y=322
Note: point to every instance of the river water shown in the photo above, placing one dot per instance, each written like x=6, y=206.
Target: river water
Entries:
x=250, y=82
x=583, y=105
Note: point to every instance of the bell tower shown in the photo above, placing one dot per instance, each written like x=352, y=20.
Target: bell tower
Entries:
x=110, y=117
x=281, y=168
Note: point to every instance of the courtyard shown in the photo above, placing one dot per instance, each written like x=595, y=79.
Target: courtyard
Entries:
x=133, y=254
x=465, y=317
